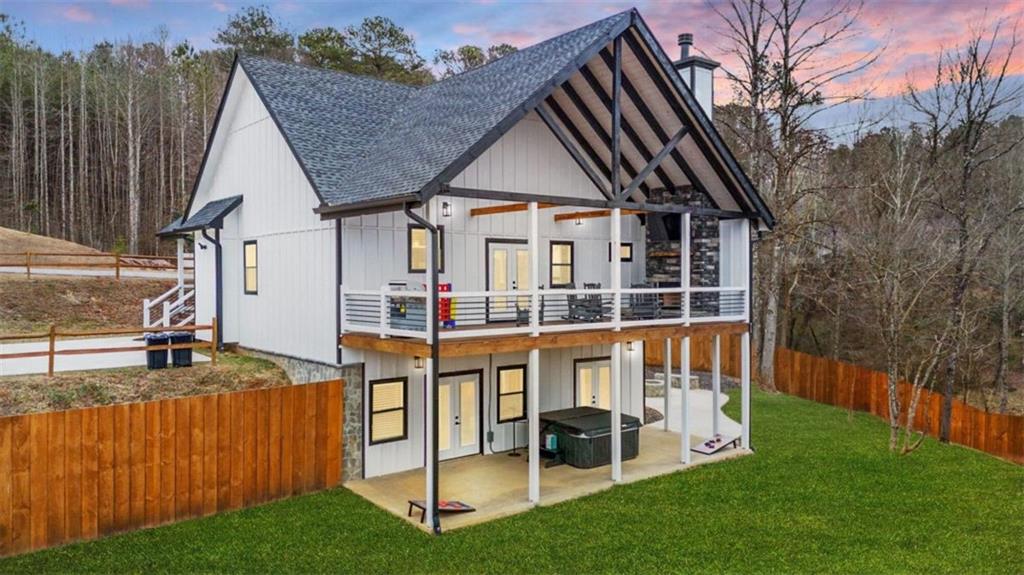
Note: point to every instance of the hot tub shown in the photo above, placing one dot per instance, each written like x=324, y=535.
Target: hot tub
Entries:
x=584, y=435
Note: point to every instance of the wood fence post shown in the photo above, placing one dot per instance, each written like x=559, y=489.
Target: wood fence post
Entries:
x=53, y=345
x=117, y=267
x=28, y=264
x=213, y=341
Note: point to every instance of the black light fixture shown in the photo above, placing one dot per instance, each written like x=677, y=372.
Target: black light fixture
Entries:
x=446, y=209
x=629, y=346
x=579, y=221
x=417, y=362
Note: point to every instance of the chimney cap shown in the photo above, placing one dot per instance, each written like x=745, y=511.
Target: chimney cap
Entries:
x=685, y=39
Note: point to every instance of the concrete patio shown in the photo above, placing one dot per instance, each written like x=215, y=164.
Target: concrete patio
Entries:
x=496, y=485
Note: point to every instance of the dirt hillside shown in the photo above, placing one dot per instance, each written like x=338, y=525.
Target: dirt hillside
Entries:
x=20, y=242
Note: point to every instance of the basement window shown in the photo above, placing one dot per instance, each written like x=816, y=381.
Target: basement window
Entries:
x=250, y=265
x=388, y=415
x=418, y=244
x=511, y=393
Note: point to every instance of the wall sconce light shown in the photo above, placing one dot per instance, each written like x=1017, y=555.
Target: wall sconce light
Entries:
x=629, y=346
x=579, y=221
x=417, y=362
x=446, y=209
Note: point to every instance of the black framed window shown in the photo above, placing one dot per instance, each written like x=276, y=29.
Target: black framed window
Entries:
x=511, y=393
x=389, y=416
x=560, y=263
x=625, y=249
x=417, y=245
x=249, y=263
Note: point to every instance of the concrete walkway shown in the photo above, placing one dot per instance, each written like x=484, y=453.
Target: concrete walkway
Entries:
x=32, y=365
x=93, y=273
x=700, y=413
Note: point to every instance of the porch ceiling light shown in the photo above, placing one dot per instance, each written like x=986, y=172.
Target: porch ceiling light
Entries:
x=446, y=209
x=417, y=362
x=629, y=346
x=579, y=221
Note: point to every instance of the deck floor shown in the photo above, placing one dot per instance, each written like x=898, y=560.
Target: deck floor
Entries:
x=496, y=485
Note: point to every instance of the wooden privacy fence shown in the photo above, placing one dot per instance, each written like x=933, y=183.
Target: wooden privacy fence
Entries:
x=853, y=387
x=700, y=354
x=99, y=260
x=84, y=473
x=51, y=336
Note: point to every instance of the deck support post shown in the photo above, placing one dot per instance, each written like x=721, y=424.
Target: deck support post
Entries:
x=684, y=267
x=716, y=381
x=180, y=249
x=430, y=444
x=668, y=381
x=745, y=388
x=532, y=245
x=684, y=428
x=616, y=272
x=533, y=414
x=616, y=406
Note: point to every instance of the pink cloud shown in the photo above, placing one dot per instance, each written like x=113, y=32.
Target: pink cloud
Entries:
x=220, y=7
x=468, y=29
x=76, y=13
x=130, y=3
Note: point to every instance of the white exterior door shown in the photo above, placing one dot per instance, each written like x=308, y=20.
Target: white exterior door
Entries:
x=594, y=384
x=458, y=415
x=509, y=267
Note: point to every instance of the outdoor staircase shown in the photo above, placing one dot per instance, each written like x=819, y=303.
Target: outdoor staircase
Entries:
x=175, y=307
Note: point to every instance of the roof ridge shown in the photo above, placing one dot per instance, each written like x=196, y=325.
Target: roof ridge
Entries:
x=247, y=56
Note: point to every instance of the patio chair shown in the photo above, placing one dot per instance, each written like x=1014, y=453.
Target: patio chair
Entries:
x=523, y=313
x=644, y=305
x=577, y=306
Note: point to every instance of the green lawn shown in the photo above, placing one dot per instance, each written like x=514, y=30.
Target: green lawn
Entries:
x=821, y=494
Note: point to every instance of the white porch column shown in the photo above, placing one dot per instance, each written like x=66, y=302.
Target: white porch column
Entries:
x=616, y=276
x=745, y=383
x=716, y=381
x=429, y=442
x=684, y=267
x=532, y=245
x=533, y=414
x=684, y=364
x=668, y=380
x=616, y=411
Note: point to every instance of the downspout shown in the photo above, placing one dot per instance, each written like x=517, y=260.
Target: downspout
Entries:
x=219, y=292
x=435, y=357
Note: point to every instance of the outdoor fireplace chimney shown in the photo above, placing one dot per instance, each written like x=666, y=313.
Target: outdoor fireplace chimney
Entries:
x=697, y=72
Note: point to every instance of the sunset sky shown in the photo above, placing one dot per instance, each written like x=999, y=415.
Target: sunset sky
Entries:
x=910, y=31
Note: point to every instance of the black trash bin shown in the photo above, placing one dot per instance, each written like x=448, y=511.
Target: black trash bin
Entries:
x=156, y=358
x=181, y=357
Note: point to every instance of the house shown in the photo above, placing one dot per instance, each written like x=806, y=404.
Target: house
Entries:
x=471, y=254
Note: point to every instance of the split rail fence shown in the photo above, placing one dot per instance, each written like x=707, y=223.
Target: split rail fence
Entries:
x=100, y=260
x=860, y=389
x=84, y=473
x=54, y=333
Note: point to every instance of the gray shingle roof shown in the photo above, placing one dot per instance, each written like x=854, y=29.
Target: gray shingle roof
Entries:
x=209, y=216
x=361, y=139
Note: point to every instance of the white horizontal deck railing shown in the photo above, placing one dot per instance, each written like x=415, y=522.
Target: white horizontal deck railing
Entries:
x=389, y=313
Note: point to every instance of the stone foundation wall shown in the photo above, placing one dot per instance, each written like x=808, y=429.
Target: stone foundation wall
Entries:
x=308, y=371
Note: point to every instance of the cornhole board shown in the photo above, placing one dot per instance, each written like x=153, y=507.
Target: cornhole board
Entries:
x=716, y=446
x=443, y=506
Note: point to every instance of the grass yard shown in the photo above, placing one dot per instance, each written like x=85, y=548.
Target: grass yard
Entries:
x=821, y=495
x=73, y=389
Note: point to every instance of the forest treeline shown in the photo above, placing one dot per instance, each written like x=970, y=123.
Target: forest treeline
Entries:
x=899, y=245
x=102, y=146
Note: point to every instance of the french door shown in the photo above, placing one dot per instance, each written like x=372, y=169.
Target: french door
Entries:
x=594, y=383
x=458, y=415
x=508, y=265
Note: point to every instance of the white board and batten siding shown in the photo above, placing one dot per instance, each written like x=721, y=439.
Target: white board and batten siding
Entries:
x=527, y=159
x=556, y=392
x=293, y=312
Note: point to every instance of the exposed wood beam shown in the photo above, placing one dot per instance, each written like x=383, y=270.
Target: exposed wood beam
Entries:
x=592, y=214
x=671, y=98
x=598, y=129
x=491, y=210
x=513, y=343
x=574, y=131
x=627, y=127
x=654, y=163
x=655, y=125
x=573, y=151
x=617, y=121
x=588, y=203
